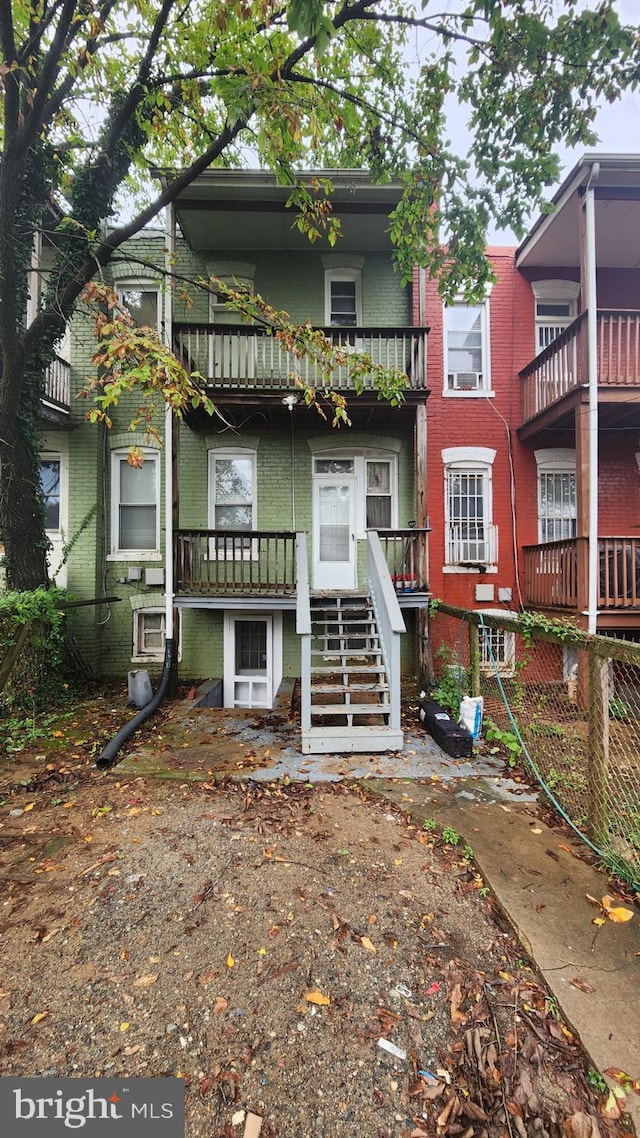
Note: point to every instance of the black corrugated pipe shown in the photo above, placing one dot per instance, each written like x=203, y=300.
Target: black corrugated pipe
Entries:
x=107, y=757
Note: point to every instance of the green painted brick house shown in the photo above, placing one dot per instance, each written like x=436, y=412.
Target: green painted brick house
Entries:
x=292, y=550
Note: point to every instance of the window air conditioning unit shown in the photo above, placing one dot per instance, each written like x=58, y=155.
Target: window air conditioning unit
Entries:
x=465, y=380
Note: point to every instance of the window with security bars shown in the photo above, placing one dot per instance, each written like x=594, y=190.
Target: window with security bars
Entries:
x=497, y=651
x=467, y=517
x=556, y=505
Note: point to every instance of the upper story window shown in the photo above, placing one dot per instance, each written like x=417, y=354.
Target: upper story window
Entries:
x=135, y=504
x=467, y=369
x=142, y=301
x=556, y=308
x=343, y=304
x=50, y=483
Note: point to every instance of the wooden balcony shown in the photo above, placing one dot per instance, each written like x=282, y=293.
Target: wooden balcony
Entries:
x=262, y=563
x=243, y=356
x=57, y=383
x=235, y=562
x=563, y=367
x=551, y=574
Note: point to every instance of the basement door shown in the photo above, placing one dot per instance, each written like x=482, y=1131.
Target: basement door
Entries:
x=334, y=529
x=248, y=660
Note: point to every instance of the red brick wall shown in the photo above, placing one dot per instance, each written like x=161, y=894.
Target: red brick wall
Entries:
x=479, y=421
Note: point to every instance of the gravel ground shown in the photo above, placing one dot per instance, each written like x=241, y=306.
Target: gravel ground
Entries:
x=260, y=942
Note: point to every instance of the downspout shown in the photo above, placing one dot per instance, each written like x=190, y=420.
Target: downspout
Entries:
x=592, y=355
x=107, y=757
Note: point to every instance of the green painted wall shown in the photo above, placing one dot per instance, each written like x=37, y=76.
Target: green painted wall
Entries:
x=292, y=282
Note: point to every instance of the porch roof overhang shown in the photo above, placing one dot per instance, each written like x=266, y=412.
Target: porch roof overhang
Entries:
x=365, y=411
x=554, y=240
x=246, y=210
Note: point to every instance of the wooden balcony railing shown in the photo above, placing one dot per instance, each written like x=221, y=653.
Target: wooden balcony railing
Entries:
x=239, y=562
x=406, y=554
x=551, y=573
x=555, y=371
x=233, y=356
x=57, y=382
x=563, y=365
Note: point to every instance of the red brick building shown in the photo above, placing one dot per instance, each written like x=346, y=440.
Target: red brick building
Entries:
x=533, y=417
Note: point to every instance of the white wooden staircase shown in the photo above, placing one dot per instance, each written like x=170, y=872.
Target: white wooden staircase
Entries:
x=350, y=692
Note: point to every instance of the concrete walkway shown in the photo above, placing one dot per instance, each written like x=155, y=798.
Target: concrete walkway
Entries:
x=542, y=886
x=534, y=871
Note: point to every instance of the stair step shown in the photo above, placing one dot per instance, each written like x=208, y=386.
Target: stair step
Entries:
x=349, y=709
x=337, y=688
x=349, y=669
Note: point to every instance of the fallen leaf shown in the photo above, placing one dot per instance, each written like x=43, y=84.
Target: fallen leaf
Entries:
x=536, y=830
x=625, y=1080
x=146, y=980
x=28, y=807
x=317, y=997
x=220, y=1006
x=616, y=913
x=598, y=921
x=39, y=1016
x=125, y=1026
x=582, y=985
x=581, y=1125
x=457, y=1017
x=229, y=961
x=366, y=943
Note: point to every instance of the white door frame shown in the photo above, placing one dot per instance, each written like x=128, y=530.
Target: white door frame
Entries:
x=261, y=682
x=339, y=575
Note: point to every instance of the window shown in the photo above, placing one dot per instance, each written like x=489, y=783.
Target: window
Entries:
x=557, y=515
x=232, y=498
x=378, y=503
x=497, y=651
x=343, y=298
x=375, y=487
x=142, y=301
x=556, y=303
x=467, y=348
x=471, y=539
x=135, y=515
x=149, y=630
x=50, y=483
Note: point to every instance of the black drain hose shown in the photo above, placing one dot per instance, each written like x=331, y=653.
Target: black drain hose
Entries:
x=107, y=758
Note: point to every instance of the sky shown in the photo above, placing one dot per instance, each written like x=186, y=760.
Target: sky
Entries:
x=617, y=125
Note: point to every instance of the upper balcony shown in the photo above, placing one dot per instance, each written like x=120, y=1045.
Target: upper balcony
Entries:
x=57, y=390
x=562, y=368
x=248, y=357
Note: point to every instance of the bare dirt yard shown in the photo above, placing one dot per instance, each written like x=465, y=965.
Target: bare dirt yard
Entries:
x=304, y=955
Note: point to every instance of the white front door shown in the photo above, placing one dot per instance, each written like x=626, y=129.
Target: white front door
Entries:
x=334, y=532
x=248, y=660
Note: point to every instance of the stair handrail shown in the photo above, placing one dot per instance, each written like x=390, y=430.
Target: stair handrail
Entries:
x=389, y=619
x=303, y=628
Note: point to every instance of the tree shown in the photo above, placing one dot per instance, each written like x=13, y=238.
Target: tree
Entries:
x=97, y=92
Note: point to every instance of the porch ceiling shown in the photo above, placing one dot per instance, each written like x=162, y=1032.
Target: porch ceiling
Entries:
x=266, y=410
x=554, y=240
x=245, y=210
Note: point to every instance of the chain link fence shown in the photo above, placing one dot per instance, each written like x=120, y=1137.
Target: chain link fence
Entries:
x=564, y=705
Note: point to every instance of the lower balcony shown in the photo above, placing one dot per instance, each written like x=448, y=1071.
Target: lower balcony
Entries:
x=552, y=573
x=262, y=563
